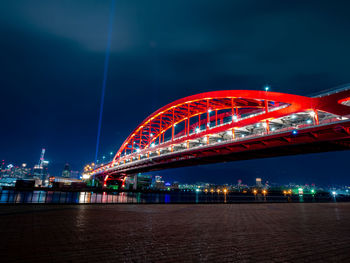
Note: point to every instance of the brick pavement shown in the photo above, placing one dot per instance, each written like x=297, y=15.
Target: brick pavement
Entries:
x=176, y=233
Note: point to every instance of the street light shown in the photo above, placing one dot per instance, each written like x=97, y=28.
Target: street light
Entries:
x=266, y=87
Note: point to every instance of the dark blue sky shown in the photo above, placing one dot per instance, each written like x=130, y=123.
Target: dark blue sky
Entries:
x=52, y=58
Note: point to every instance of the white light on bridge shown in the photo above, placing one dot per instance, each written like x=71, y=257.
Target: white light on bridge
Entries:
x=86, y=176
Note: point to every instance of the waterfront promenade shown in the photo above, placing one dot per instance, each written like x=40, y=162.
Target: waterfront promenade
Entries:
x=299, y=232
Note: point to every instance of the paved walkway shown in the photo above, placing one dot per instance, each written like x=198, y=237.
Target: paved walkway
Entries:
x=174, y=233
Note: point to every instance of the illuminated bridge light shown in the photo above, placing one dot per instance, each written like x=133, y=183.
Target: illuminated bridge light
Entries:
x=187, y=144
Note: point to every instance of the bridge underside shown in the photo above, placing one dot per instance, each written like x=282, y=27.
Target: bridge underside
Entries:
x=314, y=140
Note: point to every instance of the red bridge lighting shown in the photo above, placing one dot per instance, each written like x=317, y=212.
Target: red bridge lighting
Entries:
x=233, y=125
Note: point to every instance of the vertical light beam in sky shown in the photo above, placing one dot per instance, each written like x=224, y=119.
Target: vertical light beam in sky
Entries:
x=105, y=73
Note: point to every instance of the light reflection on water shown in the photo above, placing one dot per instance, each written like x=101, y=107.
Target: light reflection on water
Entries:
x=8, y=196
x=61, y=197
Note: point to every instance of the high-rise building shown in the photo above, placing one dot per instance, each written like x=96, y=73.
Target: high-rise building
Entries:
x=66, y=171
x=40, y=171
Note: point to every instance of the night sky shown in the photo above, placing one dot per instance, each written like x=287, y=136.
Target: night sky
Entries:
x=52, y=62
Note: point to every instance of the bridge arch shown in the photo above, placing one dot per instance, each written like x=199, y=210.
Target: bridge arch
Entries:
x=234, y=103
x=230, y=122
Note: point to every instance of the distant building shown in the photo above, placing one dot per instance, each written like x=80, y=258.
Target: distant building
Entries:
x=138, y=182
x=22, y=171
x=175, y=185
x=158, y=183
x=17, y=172
x=143, y=182
x=2, y=167
x=74, y=174
x=66, y=171
x=258, y=182
x=40, y=171
x=158, y=179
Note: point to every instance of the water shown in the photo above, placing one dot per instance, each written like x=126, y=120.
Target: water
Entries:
x=63, y=197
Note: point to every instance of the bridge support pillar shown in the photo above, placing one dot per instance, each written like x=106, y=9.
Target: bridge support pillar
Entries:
x=134, y=187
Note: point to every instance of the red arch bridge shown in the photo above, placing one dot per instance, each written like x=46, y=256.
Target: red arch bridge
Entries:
x=232, y=125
